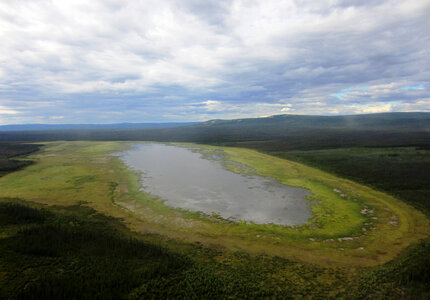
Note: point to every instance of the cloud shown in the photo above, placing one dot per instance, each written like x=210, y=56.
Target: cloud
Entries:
x=411, y=87
x=227, y=110
x=419, y=105
x=159, y=56
x=378, y=108
x=7, y=111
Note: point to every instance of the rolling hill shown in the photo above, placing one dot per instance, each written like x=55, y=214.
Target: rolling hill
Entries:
x=269, y=133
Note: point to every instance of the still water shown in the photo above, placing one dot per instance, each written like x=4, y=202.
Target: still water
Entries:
x=185, y=179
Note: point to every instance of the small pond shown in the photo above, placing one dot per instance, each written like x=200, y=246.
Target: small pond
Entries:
x=185, y=179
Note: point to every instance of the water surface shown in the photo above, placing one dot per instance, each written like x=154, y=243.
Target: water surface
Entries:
x=185, y=179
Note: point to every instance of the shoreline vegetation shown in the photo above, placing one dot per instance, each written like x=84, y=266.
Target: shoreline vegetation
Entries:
x=355, y=232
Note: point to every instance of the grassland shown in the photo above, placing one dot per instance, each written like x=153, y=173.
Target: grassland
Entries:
x=400, y=171
x=352, y=224
x=354, y=231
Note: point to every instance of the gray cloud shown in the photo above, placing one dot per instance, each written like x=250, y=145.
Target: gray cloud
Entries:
x=249, y=58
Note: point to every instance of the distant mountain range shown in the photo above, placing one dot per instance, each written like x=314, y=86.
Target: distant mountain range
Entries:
x=277, y=123
x=284, y=131
x=25, y=127
x=280, y=123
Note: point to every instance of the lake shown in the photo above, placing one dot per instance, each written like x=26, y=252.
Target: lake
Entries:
x=185, y=179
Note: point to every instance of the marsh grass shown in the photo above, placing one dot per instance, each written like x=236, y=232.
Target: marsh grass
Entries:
x=400, y=171
x=66, y=173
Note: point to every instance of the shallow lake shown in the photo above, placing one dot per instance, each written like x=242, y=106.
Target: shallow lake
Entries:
x=184, y=179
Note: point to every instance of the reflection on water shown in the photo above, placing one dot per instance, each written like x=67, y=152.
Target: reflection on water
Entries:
x=185, y=179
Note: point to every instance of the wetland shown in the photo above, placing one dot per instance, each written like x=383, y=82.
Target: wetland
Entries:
x=185, y=178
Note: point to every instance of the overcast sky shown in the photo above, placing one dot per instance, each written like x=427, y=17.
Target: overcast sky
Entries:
x=113, y=61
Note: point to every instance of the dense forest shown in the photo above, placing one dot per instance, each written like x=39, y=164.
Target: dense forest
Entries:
x=8, y=151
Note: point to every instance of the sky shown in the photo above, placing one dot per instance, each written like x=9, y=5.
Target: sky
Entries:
x=116, y=61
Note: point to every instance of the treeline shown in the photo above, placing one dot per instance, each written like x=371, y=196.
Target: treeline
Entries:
x=286, y=131
x=400, y=171
x=9, y=150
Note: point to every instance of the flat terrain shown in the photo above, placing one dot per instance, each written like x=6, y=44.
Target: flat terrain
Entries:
x=400, y=171
x=354, y=231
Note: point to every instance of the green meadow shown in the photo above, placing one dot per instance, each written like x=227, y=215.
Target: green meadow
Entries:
x=355, y=231
x=400, y=171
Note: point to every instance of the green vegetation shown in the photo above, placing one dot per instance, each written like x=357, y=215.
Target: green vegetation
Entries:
x=350, y=220
x=345, y=209
x=74, y=252
x=400, y=171
x=76, y=220
x=8, y=151
x=60, y=252
x=406, y=277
